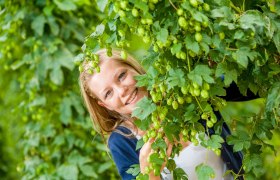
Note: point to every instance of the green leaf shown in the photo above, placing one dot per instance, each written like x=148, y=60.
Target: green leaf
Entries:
x=98, y=30
x=251, y=19
x=206, y=39
x=217, y=89
x=159, y=143
x=241, y=56
x=171, y=131
x=76, y=102
x=19, y=63
x=139, y=144
x=129, y=20
x=143, y=124
x=228, y=72
x=204, y=172
x=59, y=140
x=216, y=42
x=171, y=165
x=65, y=58
x=179, y=173
x=263, y=129
x=190, y=114
x=68, y=172
x=191, y=44
x=102, y=4
x=38, y=101
x=141, y=5
x=76, y=158
x=252, y=162
x=143, y=80
x=176, y=78
x=223, y=3
x=112, y=38
x=65, y=110
x=230, y=26
x=201, y=72
x=53, y=25
x=239, y=34
x=205, y=47
x=156, y=27
x=200, y=17
x=276, y=39
x=65, y=5
x=162, y=35
x=214, y=142
x=56, y=75
x=89, y=171
x=156, y=159
x=239, y=142
x=105, y=166
x=101, y=147
x=3, y=38
x=222, y=12
x=148, y=62
x=144, y=108
x=143, y=177
x=176, y=48
x=38, y=24
x=273, y=98
x=134, y=169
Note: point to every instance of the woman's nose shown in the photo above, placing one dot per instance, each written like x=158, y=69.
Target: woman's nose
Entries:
x=122, y=90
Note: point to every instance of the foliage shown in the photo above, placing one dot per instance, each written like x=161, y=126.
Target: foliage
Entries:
x=46, y=123
x=198, y=48
x=270, y=158
x=10, y=129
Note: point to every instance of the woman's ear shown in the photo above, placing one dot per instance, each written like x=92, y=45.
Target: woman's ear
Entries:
x=100, y=103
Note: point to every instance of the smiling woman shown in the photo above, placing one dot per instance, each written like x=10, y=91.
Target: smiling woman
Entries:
x=111, y=94
x=108, y=94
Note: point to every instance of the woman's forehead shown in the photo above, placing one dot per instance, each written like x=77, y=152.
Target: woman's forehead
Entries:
x=108, y=70
x=106, y=65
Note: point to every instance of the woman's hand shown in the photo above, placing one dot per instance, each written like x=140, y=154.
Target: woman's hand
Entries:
x=146, y=151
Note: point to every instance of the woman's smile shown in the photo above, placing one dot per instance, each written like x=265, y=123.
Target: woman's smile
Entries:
x=132, y=97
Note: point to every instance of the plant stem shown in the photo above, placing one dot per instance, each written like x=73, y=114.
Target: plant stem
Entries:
x=198, y=103
x=188, y=58
x=235, y=8
x=172, y=5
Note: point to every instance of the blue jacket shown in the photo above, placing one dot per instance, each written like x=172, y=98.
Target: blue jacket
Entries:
x=123, y=151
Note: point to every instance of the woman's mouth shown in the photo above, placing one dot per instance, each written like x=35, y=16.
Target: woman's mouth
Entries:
x=132, y=97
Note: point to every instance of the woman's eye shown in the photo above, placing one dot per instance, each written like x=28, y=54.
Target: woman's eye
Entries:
x=122, y=75
x=107, y=94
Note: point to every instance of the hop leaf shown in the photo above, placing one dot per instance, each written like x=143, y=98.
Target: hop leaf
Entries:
x=144, y=108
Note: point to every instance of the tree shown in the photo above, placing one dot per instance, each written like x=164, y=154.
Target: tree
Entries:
x=42, y=111
x=199, y=48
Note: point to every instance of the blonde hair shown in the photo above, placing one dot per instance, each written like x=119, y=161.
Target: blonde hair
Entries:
x=104, y=120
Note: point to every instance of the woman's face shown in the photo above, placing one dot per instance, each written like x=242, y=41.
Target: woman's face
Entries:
x=115, y=87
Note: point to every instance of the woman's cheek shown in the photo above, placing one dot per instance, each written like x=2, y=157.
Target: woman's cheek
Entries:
x=131, y=80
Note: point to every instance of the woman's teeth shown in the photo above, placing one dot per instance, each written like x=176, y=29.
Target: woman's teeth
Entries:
x=132, y=97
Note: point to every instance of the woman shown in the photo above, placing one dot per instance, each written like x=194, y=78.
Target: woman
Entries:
x=111, y=96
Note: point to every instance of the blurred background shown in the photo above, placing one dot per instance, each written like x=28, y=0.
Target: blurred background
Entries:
x=45, y=132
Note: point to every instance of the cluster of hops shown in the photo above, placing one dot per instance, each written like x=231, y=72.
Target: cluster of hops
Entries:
x=122, y=8
x=89, y=63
